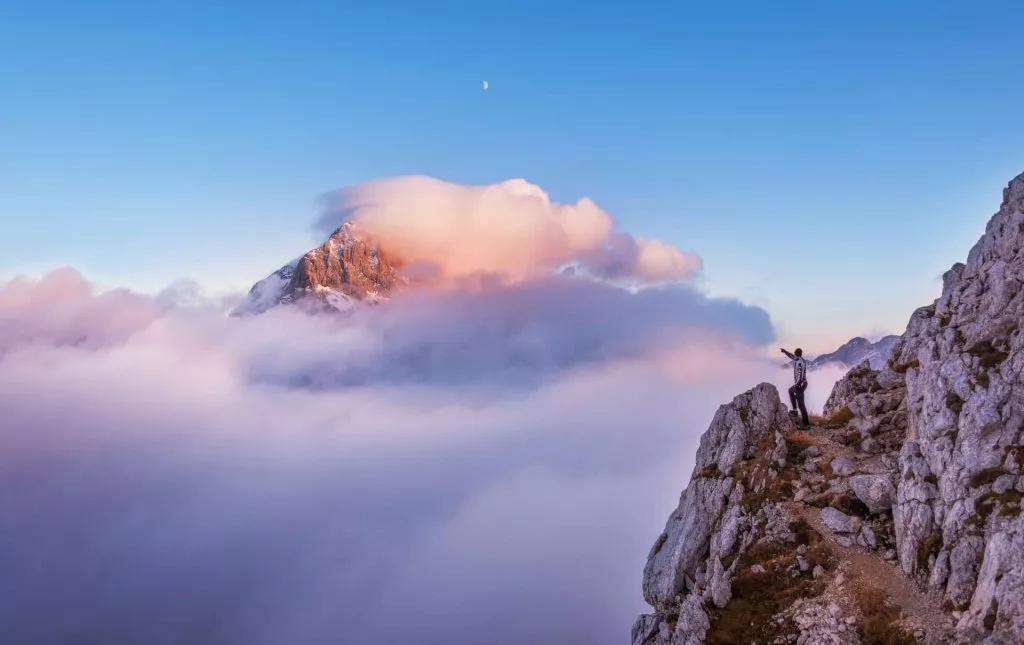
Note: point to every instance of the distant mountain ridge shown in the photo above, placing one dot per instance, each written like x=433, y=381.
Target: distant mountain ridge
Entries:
x=857, y=350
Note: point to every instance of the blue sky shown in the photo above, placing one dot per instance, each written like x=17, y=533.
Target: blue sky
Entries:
x=827, y=160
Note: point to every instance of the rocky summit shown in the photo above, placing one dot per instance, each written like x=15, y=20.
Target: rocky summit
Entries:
x=347, y=268
x=896, y=518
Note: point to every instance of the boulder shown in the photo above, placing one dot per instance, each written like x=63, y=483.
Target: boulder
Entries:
x=876, y=491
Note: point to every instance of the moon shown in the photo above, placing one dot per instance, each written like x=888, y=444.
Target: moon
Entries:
x=486, y=85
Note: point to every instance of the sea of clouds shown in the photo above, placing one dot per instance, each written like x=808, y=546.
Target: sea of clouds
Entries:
x=480, y=465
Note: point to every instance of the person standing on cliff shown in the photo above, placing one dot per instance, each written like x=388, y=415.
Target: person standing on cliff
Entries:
x=796, y=393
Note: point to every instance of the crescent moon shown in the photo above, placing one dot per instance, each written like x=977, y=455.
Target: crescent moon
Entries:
x=486, y=85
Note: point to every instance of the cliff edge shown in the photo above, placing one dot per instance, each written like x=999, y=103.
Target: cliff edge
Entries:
x=896, y=518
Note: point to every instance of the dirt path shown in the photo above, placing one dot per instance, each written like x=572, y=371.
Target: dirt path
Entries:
x=919, y=608
x=824, y=438
x=865, y=569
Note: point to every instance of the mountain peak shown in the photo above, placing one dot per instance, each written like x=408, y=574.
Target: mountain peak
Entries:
x=345, y=269
x=345, y=235
x=1013, y=194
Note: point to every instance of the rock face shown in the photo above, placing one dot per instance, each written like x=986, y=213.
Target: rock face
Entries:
x=685, y=568
x=958, y=514
x=753, y=551
x=859, y=379
x=347, y=268
x=686, y=542
x=919, y=460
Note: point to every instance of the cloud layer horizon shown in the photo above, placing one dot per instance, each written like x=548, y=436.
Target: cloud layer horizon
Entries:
x=479, y=466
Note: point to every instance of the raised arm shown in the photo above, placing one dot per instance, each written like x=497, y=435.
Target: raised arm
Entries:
x=790, y=356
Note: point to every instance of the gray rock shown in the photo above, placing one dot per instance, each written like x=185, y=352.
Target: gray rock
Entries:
x=876, y=491
x=868, y=536
x=818, y=572
x=843, y=467
x=810, y=452
x=844, y=540
x=887, y=379
x=838, y=521
x=693, y=623
x=1003, y=484
x=685, y=542
x=685, y=566
x=857, y=380
x=645, y=630
x=963, y=361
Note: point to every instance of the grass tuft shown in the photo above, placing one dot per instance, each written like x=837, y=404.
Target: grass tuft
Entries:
x=988, y=354
x=841, y=417
x=987, y=476
x=880, y=624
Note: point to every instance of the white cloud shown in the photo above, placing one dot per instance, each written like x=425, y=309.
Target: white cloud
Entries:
x=492, y=463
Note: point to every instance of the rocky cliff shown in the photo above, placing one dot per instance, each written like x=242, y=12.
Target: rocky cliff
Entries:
x=896, y=518
x=958, y=517
x=347, y=268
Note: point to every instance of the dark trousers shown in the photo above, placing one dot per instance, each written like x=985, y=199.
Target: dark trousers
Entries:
x=796, y=399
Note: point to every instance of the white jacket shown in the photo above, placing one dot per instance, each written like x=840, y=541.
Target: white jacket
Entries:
x=799, y=371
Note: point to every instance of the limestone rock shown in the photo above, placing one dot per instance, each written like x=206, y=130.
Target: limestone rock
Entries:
x=686, y=540
x=876, y=491
x=709, y=524
x=964, y=368
x=838, y=521
x=843, y=467
x=859, y=379
x=950, y=403
x=868, y=537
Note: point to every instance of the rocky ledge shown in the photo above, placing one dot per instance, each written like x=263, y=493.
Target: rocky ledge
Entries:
x=896, y=518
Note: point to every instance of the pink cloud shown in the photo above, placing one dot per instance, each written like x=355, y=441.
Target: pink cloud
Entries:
x=60, y=308
x=512, y=229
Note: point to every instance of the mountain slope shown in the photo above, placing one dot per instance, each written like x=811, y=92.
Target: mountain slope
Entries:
x=896, y=520
x=347, y=268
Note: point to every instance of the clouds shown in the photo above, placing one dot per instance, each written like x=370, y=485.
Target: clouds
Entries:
x=486, y=466
x=61, y=309
x=512, y=229
x=516, y=334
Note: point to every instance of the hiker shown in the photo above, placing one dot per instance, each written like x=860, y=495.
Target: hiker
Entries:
x=796, y=393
